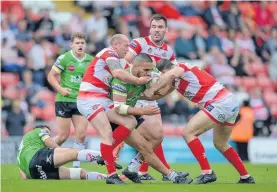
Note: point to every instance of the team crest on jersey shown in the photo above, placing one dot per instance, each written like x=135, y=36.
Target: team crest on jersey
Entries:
x=96, y=106
x=71, y=68
x=164, y=54
x=113, y=54
x=150, y=50
x=133, y=44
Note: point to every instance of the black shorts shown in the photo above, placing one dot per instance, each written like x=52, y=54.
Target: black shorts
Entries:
x=66, y=109
x=139, y=119
x=42, y=165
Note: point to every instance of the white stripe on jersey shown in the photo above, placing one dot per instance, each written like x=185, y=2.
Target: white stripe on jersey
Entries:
x=192, y=87
x=85, y=86
x=212, y=92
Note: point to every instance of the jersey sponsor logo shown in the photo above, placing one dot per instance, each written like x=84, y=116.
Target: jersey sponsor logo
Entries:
x=71, y=68
x=133, y=44
x=164, y=54
x=61, y=113
x=149, y=50
x=189, y=95
x=130, y=94
x=119, y=88
x=41, y=172
x=113, y=54
x=96, y=106
x=49, y=159
x=209, y=107
x=76, y=79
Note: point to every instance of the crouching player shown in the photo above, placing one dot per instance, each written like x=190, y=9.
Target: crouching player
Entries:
x=39, y=157
x=219, y=111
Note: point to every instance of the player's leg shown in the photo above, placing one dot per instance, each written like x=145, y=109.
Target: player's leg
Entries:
x=145, y=148
x=80, y=123
x=152, y=129
x=62, y=156
x=199, y=124
x=78, y=173
x=63, y=121
x=93, y=110
x=126, y=124
x=221, y=135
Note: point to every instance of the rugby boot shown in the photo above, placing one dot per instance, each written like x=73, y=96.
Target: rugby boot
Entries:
x=185, y=174
x=249, y=180
x=100, y=161
x=147, y=177
x=207, y=178
x=182, y=180
x=114, y=179
x=133, y=176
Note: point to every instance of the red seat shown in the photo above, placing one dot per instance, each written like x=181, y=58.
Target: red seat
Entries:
x=249, y=82
x=270, y=98
x=273, y=110
x=37, y=112
x=48, y=113
x=264, y=82
x=46, y=95
x=9, y=78
x=237, y=80
x=11, y=92
x=259, y=69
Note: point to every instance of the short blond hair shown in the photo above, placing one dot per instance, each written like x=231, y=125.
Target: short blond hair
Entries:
x=78, y=35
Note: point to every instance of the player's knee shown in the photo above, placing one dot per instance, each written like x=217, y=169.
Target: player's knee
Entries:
x=145, y=148
x=186, y=133
x=221, y=146
x=80, y=137
x=62, y=137
x=131, y=123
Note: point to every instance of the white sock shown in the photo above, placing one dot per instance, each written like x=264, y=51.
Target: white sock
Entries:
x=172, y=175
x=95, y=176
x=135, y=163
x=244, y=176
x=88, y=155
x=81, y=146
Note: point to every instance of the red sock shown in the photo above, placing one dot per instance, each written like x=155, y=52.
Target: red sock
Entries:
x=144, y=167
x=232, y=156
x=198, y=151
x=107, y=154
x=160, y=154
x=119, y=135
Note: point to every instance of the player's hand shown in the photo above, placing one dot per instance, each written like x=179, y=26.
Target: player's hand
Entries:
x=150, y=110
x=65, y=91
x=143, y=80
x=148, y=93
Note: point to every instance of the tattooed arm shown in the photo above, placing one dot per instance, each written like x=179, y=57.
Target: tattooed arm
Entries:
x=119, y=73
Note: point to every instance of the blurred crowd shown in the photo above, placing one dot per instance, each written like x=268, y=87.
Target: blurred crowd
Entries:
x=234, y=41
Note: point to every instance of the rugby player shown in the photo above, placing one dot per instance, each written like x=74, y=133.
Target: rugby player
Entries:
x=94, y=103
x=39, y=157
x=155, y=46
x=220, y=109
x=125, y=96
x=65, y=76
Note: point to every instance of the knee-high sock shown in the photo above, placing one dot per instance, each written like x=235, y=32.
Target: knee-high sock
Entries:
x=107, y=155
x=232, y=156
x=198, y=151
x=119, y=135
x=81, y=146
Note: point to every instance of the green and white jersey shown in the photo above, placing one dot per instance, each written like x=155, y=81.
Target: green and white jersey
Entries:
x=131, y=91
x=31, y=143
x=71, y=70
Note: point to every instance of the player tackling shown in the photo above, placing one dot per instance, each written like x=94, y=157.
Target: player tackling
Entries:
x=219, y=111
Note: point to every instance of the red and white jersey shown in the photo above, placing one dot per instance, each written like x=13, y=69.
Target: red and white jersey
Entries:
x=198, y=86
x=145, y=45
x=96, y=79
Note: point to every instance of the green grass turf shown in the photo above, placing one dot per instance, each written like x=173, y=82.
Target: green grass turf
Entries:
x=265, y=176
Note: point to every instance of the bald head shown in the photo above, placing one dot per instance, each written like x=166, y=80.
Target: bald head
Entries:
x=142, y=58
x=118, y=38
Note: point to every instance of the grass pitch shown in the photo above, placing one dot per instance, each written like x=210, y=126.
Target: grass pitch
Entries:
x=265, y=176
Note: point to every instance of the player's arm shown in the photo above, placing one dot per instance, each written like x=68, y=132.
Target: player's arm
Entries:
x=54, y=76
x=165, y=79
x=48, y=141
x=119, y=73
x=159, y=94
x=22, y=174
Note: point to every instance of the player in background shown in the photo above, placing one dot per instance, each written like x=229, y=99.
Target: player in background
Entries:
x=220, y=109
x=39, y=157
x=65, y=76
x=125, y=96
x=155, y=46
x=94, y=103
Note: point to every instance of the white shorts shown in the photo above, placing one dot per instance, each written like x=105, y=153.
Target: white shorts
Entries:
x=90, y=107
x=224, y=111
x=145, y=103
